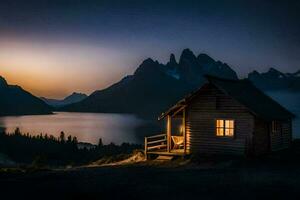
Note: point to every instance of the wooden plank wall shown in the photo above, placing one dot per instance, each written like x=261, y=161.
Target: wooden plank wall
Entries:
x=282, y=139
x=261, y=137
x=200, y=123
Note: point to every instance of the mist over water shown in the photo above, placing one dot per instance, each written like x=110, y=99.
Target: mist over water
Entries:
x=87, y=127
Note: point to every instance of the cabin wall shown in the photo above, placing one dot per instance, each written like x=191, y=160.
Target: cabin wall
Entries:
x=282, y=138
x=261, y=137
x=201, y=115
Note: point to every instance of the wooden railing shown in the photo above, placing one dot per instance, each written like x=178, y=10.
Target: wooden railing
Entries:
x=155, y=142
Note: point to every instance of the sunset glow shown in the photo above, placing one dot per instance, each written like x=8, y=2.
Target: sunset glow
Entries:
x=53, y=49
x=56, y=70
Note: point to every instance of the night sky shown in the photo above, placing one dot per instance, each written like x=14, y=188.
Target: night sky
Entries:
x=53, y=48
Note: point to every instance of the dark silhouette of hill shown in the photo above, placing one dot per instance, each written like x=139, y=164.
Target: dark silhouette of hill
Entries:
x=276, y=80
x=73, y=98
x=16, y=101
x=154, y=86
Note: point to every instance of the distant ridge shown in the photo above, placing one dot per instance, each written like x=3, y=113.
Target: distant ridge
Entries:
x=73, y=98
x=276, y=80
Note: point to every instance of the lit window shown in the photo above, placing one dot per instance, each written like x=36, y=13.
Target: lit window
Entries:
x=225, y=128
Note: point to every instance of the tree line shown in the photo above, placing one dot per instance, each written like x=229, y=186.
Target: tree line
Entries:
x=49, y=150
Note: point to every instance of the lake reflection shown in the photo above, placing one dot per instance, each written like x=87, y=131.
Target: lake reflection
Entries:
x=87, y=127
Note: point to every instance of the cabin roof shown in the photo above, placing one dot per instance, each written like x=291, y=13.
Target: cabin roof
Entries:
x=245, y=93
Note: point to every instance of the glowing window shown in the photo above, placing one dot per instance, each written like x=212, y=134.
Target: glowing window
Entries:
x=224, y=128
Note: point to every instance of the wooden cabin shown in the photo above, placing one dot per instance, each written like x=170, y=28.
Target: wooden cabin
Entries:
x=223, y=117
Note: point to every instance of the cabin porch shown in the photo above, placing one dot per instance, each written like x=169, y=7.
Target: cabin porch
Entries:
x=171, y=143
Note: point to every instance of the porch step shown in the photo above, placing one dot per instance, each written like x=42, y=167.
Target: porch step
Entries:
x=164, y=158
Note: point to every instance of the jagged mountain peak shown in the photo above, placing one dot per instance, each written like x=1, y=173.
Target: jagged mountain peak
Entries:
x=270, y=72
x=204, y=58
x=172, y=59
x=148, y=67
x=187, y=51
x=172, y=65
x=148, y=61
x=274, y=79
x=189, y=69
x=274, y=71
x=187, y=54
x=254, y=73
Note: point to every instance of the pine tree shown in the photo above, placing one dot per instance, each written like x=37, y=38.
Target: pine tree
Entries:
x=69, y=139
x=100, y=143
x=62, y=137
x=17, y=131
x=74, y=140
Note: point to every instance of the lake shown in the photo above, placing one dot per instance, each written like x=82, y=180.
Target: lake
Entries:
x=87, y=127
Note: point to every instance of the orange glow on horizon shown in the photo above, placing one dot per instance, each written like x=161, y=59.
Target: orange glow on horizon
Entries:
x=57, y=70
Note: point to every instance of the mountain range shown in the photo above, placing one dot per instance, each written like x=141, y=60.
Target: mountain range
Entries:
x=16, y=101
x=154, y=86
x=276, y=80
x=73, y=98
x=151, y=89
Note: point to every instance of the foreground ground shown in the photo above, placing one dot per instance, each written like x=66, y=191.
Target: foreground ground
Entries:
x=228, y=179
